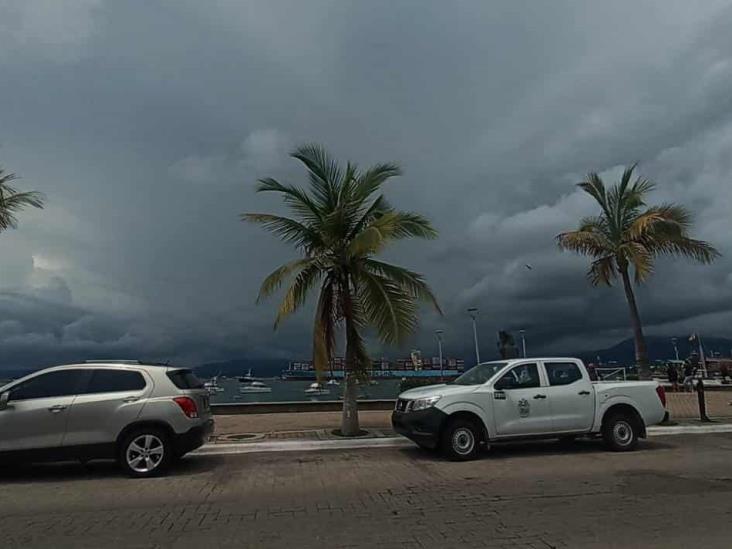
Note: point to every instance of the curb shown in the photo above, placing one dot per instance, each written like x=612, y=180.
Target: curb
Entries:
x=399, y=442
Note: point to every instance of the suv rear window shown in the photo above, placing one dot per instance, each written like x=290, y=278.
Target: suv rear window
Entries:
x=115, y=381
x=185, y=379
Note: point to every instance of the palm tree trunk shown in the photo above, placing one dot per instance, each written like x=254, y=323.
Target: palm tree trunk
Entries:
x=349, y=420
x=641, y=352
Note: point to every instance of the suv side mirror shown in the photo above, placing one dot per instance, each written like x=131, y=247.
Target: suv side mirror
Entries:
x=4, y=398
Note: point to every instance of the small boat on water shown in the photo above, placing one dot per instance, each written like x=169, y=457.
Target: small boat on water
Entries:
x=254, y=387
x=332, y=382
x=212, y=386
x=317, y=389
x=247, y=378
x=250, y=384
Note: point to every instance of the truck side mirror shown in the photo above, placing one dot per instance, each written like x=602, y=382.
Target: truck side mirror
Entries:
x=4, y=398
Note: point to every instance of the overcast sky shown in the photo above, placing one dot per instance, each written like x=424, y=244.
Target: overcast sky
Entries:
x=146, y=124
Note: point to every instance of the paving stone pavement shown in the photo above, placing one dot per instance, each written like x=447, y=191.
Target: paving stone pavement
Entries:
x=673, y=492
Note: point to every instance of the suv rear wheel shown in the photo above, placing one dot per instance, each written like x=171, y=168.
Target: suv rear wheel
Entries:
x=460, y=440
x=620, y=432
x=145, y=452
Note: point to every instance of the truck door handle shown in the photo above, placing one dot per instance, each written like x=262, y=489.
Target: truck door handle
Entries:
x=56, y=409
x=583, y=393
x=131, y=399
x=539, y=396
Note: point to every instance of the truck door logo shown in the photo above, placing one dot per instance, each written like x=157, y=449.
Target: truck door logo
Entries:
x=524, y=408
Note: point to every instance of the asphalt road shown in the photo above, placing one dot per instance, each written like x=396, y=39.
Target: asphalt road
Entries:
x=673, y=492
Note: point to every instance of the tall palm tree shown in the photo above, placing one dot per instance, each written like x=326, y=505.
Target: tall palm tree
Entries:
x=339, y=224
x=13, y=201
x=629, y=234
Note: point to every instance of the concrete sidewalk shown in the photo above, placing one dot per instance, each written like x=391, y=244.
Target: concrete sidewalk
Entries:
x=318, y=426
x=681, y=406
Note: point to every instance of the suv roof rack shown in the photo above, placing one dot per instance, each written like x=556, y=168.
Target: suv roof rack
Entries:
x=127, y=361
x=107, y=361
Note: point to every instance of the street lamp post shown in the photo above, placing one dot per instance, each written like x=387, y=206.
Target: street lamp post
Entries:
x=438, y=334
x=523, y=341
x=676, y=349
x=473, y=312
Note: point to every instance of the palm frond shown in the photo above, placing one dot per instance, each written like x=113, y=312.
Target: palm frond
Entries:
x=295, y=198
x=667, y=219
x=276, y=278
x=410, y=282
x=286, y=228
x=324, y=173
x=595, y=187
x=325, y=326
x=640, y=258
x=12, y=201
x=386, y=306
x=377, y=208
x=602, y=271
x=585, y=242
x=372, y=179
x=298, y=292
x=698, y=250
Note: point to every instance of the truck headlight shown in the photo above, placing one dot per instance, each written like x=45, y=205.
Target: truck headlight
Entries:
x=424, y=403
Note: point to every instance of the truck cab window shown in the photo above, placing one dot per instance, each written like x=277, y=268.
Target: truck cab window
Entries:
x=562, y=373
x=524, y=376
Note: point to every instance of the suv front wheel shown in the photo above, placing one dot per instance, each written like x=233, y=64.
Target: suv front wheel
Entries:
x=145, y=452
x=461, y=440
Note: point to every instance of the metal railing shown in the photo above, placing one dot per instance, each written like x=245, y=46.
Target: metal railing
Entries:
x=614, y=374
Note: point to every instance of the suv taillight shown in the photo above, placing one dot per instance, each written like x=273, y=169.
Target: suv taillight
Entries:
x=188, y=405
x=661, y=392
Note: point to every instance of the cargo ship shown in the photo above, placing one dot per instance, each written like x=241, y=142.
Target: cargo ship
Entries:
x=412, y=367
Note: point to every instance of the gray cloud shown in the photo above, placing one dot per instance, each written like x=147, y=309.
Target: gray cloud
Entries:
x=147, y=125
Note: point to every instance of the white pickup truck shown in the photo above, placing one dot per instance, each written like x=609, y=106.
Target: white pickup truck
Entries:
x=527, y=399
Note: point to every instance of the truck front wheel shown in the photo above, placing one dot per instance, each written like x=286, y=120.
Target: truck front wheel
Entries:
x=620, y=432
x=460, y=440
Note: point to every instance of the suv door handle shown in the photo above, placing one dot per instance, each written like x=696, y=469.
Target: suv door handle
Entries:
x=131, y=399
x=539, y=396
x=56, y=409
x=583, y=393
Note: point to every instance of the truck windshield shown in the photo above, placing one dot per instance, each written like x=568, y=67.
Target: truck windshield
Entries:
x=479, y=374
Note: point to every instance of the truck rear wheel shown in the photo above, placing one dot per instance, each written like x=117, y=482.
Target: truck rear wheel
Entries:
x=460, y=440
x=620, y=432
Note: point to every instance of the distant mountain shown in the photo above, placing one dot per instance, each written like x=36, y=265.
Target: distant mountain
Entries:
x=659, y=348
x=231, y=368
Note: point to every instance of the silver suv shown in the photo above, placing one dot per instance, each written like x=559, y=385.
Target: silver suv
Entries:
x=143, y=415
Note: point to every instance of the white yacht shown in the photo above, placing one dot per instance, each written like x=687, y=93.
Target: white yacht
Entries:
x=212, y=386
x=317, y=389
x=332, y=381
x=249, y=384
x=254, y=387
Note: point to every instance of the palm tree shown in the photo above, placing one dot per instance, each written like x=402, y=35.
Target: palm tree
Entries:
x=629, y=234
x=13, y=201
x=339, y=224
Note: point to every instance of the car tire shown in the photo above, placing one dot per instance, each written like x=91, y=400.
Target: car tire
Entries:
x=620, y=432
x=146, y=452
x=460, y=440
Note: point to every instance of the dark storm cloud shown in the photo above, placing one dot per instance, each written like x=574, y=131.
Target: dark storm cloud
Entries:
x=146, y=125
